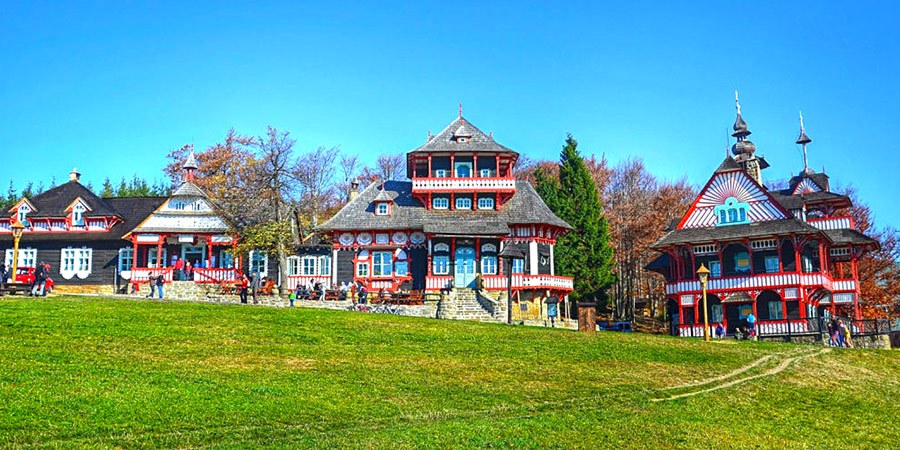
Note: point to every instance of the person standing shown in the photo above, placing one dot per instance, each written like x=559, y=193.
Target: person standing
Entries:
x=720, y=331
x=845, y=333
x=179, y=269
x=479, y=283
x=751, y=321
x=2, y=277
x=839, y=332
x=160, y=281
x=152, y=282
x=37, y=286
x=46, y=277
x=254, y=287
x=188, y=269
x=245, y=282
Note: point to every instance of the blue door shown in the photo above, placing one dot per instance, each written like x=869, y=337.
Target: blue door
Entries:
x=465, y=267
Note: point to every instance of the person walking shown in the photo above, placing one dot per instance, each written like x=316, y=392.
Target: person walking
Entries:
x=245, y=282
x=2, y=278
x=160, y=281
x=254, y=287
x=37, y=286
x=839, y=332
x=751, y=321
x=152, y=286
x=845, y=335
x=479, y=283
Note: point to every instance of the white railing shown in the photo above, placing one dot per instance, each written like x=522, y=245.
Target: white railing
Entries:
x=214, y=275
x=464, y=184
x=437, y=283
x=752, y=282
x=307, y=280
x=781, y=327
x=833, y=223
x=142, y=275
x=844, y=285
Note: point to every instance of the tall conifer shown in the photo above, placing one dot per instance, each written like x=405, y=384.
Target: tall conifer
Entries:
x=585, y=252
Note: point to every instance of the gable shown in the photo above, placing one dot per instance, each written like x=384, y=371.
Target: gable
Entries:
x=78, y=202
x=731, y=186
x=806, y=186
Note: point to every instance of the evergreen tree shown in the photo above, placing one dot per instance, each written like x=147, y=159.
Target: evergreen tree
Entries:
x=29, y=190
x=585, y=252
x=122, y=191
x=107, y=191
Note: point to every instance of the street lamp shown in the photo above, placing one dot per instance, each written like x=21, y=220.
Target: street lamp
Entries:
x=703, y=273
x=17, y=229
x=510, y=253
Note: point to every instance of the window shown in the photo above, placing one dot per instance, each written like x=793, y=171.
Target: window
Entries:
x=485, y=173
x=362, y=269
x=440, y=203
x=488, y=248
x=151, y=257
x=442, y=247
x=227, y=260
x=462, y=139
x=489, y=265
x=126, y=259
x=22, y=212
x=463, y=169
x=381, y=264
x=309, y=266
x=715, y=269
x=324, y=265
x=776, y=311
x=485, y=203
x=78, y=215
x=75, y=261
x=807, y=263
x=382, y=209
x=259, y=263
x=715, y=313
x=518, y=266
x=771, y=264
x=441, y=265
x=464, y=203
x=440, y=173
x=401, y=268
x=731, y=212
x=293, y=265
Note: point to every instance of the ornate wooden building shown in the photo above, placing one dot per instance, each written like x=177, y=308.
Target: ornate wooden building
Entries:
x=784, y=255
x=462, y=207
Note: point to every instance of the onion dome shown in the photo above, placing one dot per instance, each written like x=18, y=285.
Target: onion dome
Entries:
x=741, y=130
x=742, y=147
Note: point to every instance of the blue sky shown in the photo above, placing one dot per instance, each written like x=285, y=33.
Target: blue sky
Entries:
x=112, y=87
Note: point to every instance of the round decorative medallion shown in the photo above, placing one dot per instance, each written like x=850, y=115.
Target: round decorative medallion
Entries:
x=364, y=238
x=399, y=237
x=417, y=237
x=346, y=239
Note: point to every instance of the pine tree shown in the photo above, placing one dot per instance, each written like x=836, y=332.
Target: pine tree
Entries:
x=107, y=191
x=584, y=253
x=122, y=191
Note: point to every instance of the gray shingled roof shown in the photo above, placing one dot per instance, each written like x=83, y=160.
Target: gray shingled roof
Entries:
x=728, y=165
x=54, y=201
x=730, y=232
x=791, y=202
x=848, y=236
x=446, y=140
x=526, y=206
x=188, y=189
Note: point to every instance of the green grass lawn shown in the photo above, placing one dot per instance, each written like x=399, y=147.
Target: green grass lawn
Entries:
x=78, y=372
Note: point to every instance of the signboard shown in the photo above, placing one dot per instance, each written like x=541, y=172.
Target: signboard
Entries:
x=186, y=238
x=154, y=238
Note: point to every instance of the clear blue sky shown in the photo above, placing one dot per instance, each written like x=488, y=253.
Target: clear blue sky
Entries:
x=112, y=87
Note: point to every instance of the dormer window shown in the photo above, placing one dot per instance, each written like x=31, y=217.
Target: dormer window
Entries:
x=462, y=139
x=78, y=215
x=382, y=209
x=22, y=213
x=732, y=212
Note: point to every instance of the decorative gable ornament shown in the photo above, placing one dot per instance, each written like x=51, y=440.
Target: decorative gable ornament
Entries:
x=744, y=193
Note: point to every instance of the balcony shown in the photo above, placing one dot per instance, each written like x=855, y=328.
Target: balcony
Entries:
x=833, y=223
x=498, y=282
x=463, y=185
x=768, y=281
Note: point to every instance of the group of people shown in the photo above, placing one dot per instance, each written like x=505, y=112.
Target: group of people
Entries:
x=745, y=330
x=317, y=290
x=38, y=284
x=251, y=284
x=184, y=269
x=838, y=334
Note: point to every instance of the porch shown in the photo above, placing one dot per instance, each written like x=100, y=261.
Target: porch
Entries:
x=210, y=257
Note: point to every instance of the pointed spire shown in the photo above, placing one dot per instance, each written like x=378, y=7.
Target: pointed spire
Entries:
x=803, y=140
x=460, y=110
x=190, y=165
x=740, y=127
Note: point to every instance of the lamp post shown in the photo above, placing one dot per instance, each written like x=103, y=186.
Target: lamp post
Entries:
x=703, y=274
x=17, y=229
x=510, y=253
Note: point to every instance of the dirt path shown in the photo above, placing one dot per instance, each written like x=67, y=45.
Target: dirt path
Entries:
x=781, y=367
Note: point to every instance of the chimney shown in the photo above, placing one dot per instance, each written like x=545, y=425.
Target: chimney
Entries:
x=354, y=189
x=74, y=175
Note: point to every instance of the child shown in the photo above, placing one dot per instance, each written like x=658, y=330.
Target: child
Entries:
x=720, y=331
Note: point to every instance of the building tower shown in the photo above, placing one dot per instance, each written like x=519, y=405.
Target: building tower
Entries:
x=745, y=151
x=803, y=140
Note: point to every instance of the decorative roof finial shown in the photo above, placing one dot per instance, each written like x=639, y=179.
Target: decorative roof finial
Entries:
x=737, y=103
x=803, y=139
x=190, y=165
x=460, y=110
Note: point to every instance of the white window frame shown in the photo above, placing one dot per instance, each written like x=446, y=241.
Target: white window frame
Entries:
x=265, y=263
x=382, y=209
x=441, y=265
x=325, y=265
x=293, y=266
x=518, y=266
x=444, y=203
x=458, y=165
x=22, y=214
x=75, y=262
x=126, y=259
x=715, y=269
x=440, y=173
x=465, y=200
x=484, y=173
x=382, y=261
x=404, y=264
x=489, y=265
x=151, y=257
x=442, y=247
x=774, y=268
x=362, y=269
x=308, y=266
x=485, y=203
x=78, y=215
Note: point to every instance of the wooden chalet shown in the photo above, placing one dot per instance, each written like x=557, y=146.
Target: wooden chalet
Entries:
x=462, y=207
x=787, y=256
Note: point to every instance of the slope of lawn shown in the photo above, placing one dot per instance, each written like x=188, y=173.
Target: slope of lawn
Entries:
x=79, y=372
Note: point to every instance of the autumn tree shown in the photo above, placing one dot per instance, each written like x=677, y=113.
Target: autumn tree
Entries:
x=391, y=166
x=314, y=173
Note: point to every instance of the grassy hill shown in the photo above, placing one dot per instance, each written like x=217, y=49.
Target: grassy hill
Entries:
x=80, y=372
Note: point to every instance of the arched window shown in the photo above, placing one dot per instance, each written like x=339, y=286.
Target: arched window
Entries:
x=732, y=212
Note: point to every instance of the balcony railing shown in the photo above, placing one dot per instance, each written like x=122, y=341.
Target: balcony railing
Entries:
x=464, y=184
x=214, y=275
x=767, y=281
x=844, y=285
x=498, y=282
x=303, y=280
x=143, y=274
x=833, y=223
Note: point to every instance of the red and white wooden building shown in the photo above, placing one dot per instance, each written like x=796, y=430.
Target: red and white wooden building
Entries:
x=786, y=256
